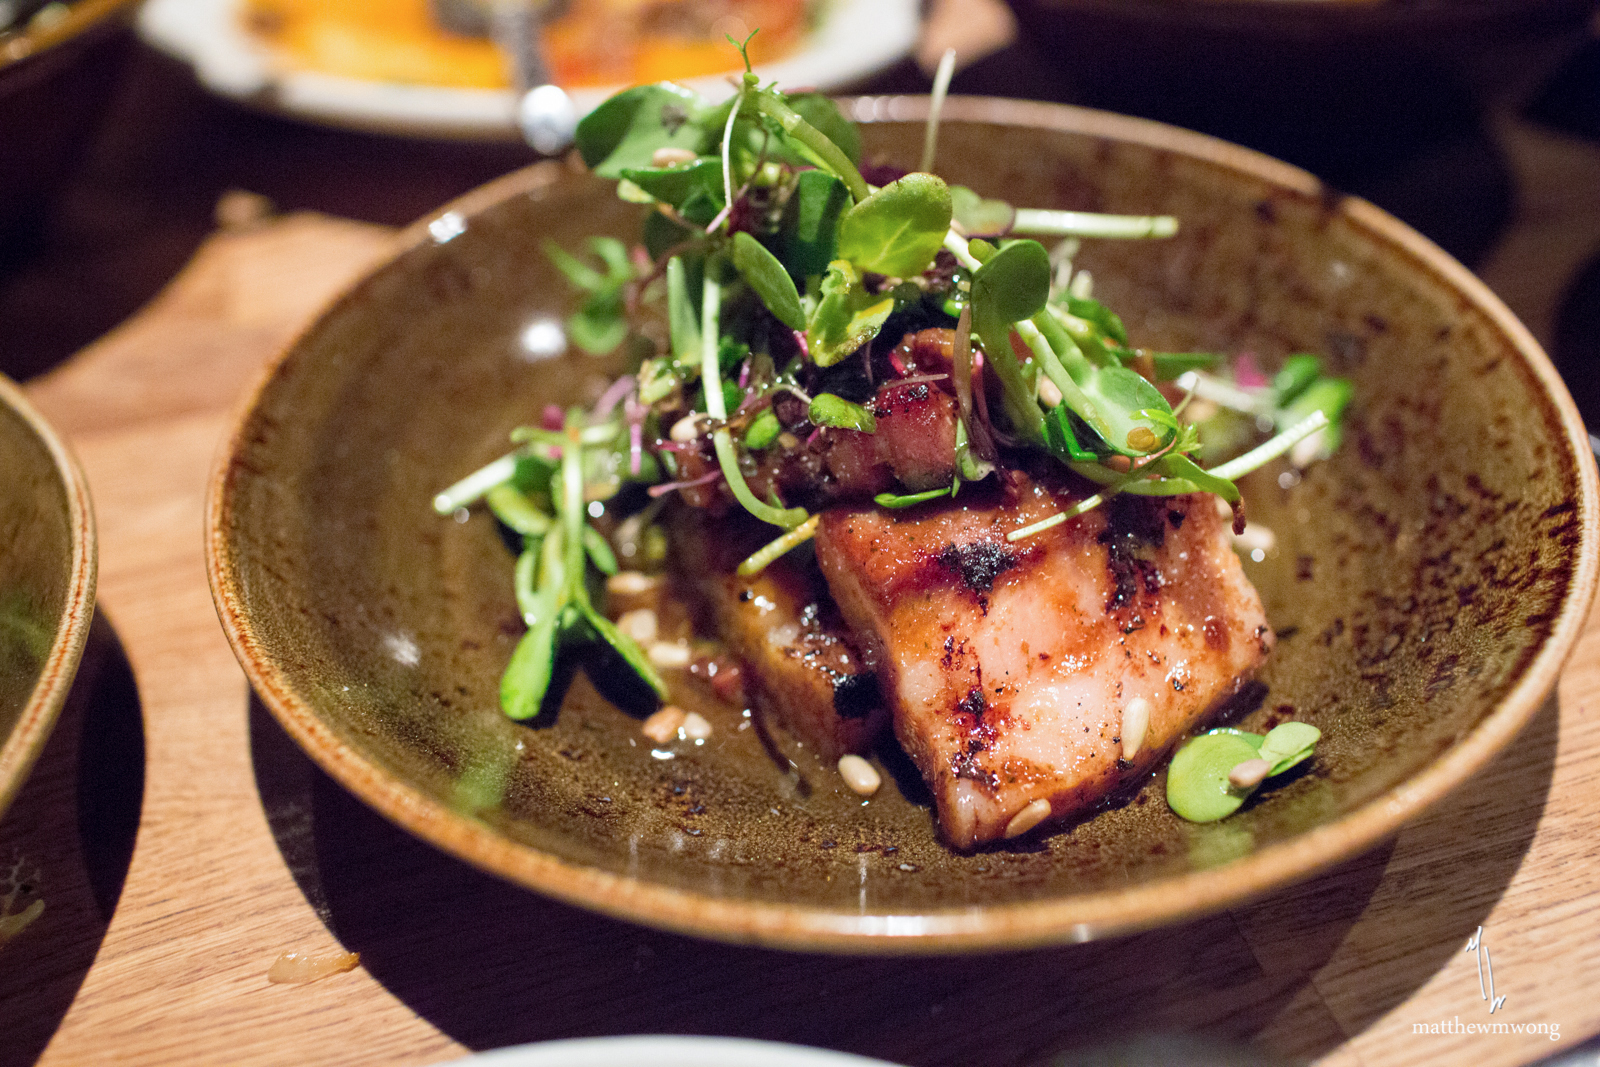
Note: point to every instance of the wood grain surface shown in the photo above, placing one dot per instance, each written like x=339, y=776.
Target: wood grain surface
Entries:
x=182, y=843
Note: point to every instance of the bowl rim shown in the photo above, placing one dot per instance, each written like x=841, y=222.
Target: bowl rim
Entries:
x=81, y=16
x=21, y=748
x=1079, y=917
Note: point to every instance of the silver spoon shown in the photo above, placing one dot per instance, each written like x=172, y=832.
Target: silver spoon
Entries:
x=544, y=112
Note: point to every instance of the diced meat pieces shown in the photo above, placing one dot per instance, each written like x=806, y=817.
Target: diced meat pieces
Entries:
x=800, y=665
x=914, y=443
x=1008, y=666
x=916, y=434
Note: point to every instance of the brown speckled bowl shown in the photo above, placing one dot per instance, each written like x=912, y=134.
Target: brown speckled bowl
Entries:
x=47, y=577
x=1426, y=583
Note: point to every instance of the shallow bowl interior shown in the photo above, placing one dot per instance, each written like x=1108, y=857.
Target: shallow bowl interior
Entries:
x=1426, y=583
x=47, y=580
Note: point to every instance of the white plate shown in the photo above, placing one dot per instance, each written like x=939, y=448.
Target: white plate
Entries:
x=655, y=1051
x=855, y=38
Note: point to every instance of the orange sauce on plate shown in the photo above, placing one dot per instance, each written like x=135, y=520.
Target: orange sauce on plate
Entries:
x=593, y=42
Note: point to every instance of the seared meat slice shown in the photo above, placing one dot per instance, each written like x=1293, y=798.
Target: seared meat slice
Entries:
x=802, y=668
x=914, y=444
x=1009, y=667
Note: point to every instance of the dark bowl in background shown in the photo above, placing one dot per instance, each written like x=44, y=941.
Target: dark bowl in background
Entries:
x=1376, y=97
x=55, y=83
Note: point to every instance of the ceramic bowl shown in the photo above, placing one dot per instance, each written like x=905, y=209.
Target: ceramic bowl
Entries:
x=1426, y=583
x=47, y=578
x=56, y=77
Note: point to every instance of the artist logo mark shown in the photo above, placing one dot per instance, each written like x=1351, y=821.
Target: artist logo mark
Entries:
x=1485, y=966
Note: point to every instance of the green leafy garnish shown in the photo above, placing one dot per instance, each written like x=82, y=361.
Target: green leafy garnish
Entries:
x=847, y=315
x=628, y=129
x=770, y=273
x=1215, y=773
x=830, y=410
x=897, y=229
x=559, y=545
x=763, y=273
x=599, y=325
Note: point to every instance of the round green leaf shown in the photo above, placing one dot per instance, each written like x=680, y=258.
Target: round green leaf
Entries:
x=898, y=229
x=810, y=234
x=626, y=130
x=1288, y=745
x=977, y=215
x=831, y=410
x=1197, y=780
x=1014, y=283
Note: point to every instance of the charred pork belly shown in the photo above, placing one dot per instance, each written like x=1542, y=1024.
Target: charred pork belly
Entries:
x=800, y=664
x=1027, y=680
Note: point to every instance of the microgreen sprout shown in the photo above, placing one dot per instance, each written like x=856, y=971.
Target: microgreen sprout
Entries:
x=774, y=283
x=941, y=86
x=1215, y=773
x=558, y=546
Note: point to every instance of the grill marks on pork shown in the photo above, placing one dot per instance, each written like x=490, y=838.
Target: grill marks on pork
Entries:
x=1007, y=666
x=801, y=664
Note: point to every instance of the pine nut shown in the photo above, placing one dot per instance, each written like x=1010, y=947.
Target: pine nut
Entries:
x=1028, y=818
x=667, y=654
x=1248, y=775
x=663, y=725
x=640, y=624
x=695, y=726
x=1135, y=721
x=1049, y=393
x=669, y=156
x=631, y=583
x=861, y=776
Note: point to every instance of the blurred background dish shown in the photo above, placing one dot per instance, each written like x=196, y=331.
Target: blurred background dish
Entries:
x=58, y=66
x=389, y=66
x=47, y=581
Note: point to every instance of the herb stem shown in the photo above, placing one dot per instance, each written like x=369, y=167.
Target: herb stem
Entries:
x=941, y=87
x=797, y=127
x=1224, y=393
x=1088, y=503
x=710, y=369
x=717, y=408
x=790, y=539
x=1071, y=394
x=572, y=515
x=956, y=245
x=1091, y=224
x=727, y=152
x=1271, y=449
x=473, y=487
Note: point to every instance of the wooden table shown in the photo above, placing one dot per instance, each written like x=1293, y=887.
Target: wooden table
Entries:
x=182, y=843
